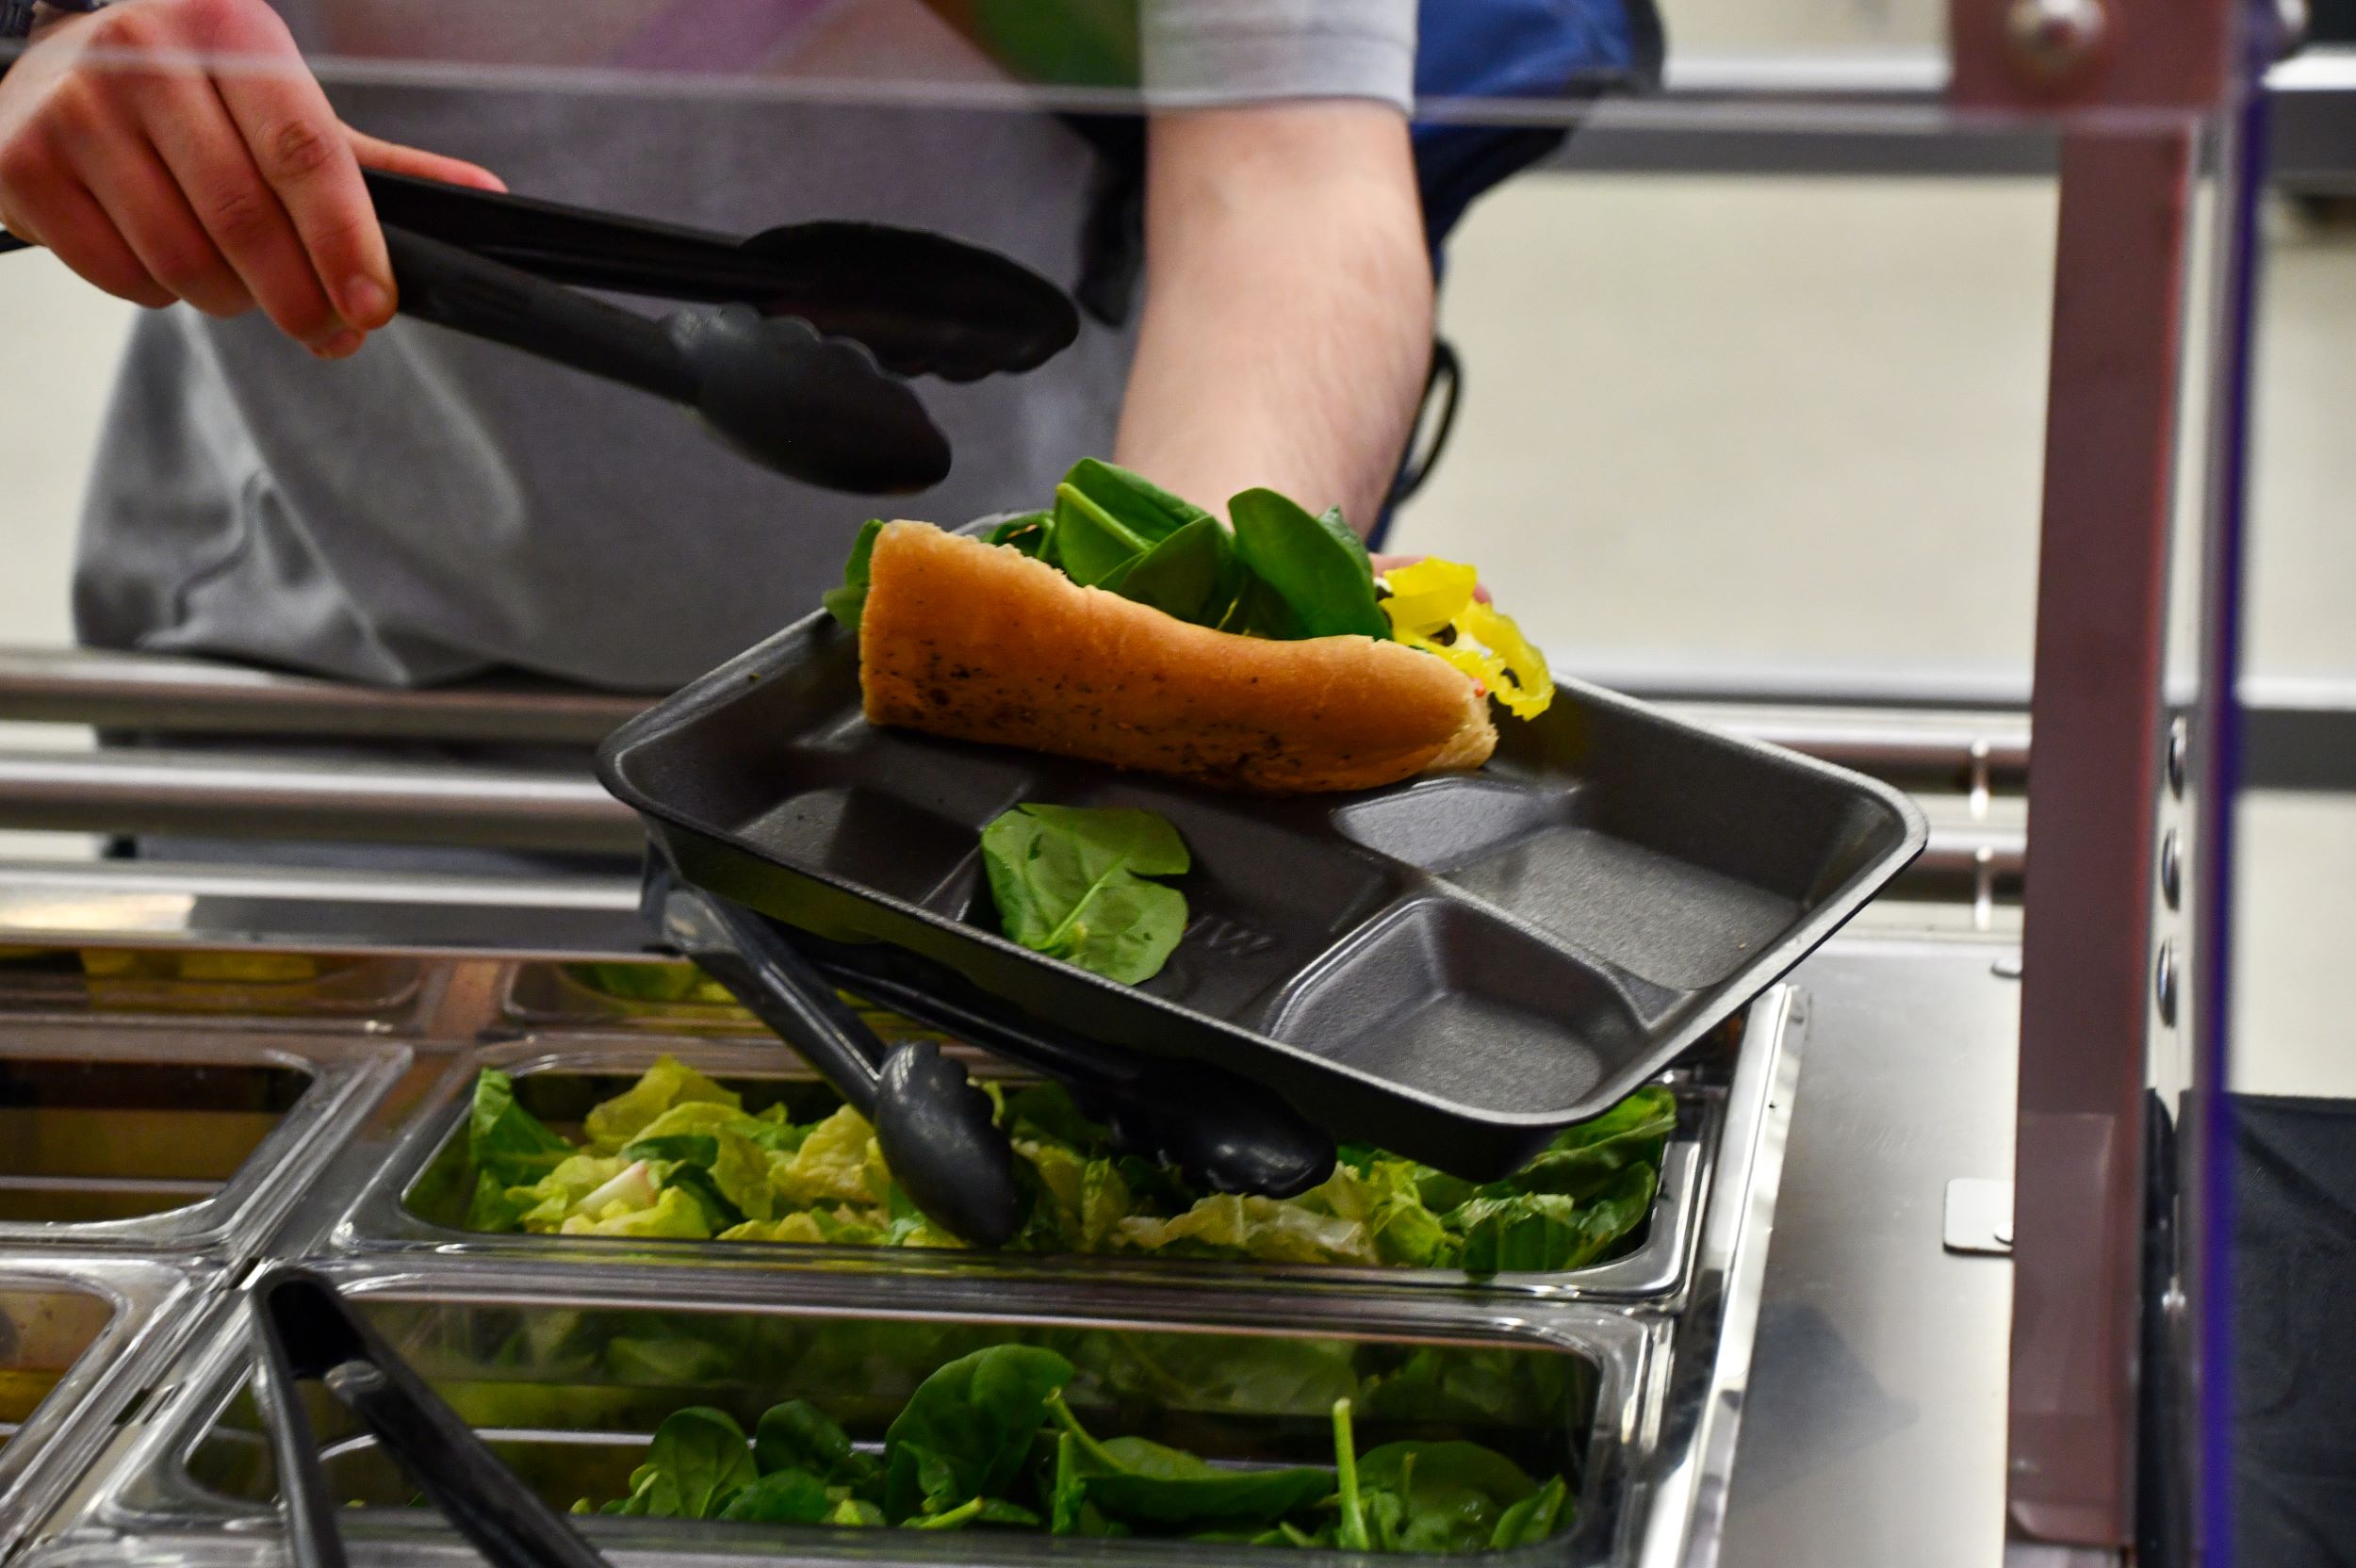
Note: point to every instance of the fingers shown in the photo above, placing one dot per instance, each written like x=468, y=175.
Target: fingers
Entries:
x=86, y=239
x=297, y=146
x=209, y=159
x=262, y=157
x=391, y=156
x=144, y=204
x=180, y=149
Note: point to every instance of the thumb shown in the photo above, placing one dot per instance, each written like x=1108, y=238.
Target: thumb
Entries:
x=392, y=158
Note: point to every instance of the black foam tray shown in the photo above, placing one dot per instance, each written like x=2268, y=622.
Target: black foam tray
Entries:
x=1451, y=968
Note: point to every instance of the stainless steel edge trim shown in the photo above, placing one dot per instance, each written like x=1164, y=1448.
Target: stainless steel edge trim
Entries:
x=1692, y=1475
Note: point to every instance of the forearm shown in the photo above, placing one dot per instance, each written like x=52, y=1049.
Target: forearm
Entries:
x=1287, y=327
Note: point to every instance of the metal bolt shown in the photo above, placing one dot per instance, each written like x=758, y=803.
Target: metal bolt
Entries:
x=2173, y=868
x=2164, y=982
x=2292, y=19
x=2053, y=38
x=2179, y=755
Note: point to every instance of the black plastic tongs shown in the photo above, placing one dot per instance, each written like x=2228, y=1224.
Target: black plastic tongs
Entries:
x=934, y=1127
x=304, y=1331
x=794, y=349
x=794, y=353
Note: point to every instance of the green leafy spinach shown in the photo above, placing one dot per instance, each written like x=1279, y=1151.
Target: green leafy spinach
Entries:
x=1281, y=573
x=1071, y=882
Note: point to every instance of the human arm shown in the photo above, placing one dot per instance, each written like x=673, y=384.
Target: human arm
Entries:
x=1288, y=305
x=170, y=150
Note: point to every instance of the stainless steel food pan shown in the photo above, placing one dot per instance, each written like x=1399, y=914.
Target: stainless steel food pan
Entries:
x=567, y=1370
x=146, y=1140
x=417, y=1198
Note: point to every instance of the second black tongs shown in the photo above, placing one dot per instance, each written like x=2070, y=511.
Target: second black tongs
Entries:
x=936, y=1129
x=304, y=1331
x=794, y=352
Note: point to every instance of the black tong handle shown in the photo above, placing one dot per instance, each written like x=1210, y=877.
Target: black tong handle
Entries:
x=817, y=409
x=925, y=303
x=1221, y=1129
x=304, y=1331
x=937, y=1131
x=451, y=287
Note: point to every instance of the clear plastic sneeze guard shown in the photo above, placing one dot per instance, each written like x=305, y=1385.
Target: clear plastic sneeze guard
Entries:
x=79, y=1334
x=141, y=1139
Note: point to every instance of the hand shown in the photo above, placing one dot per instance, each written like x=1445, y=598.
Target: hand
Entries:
x=180, y=150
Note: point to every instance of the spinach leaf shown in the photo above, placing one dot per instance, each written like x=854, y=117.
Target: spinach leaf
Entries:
x=697, y=1462
x=1145, y=1484
x=1068, y=882
x=969, y=1427
x=782, y=1498
x=1033, y=533
x=856, y=1514
x=848, y=602
x=1090, y=543
x=1451, y=1495
x=1535, y=1518
x=1171, y=1489
x=1349, y=1531
x=1193, y=574
x=977, y=1511
x=797, y=1435
x=1316, y=566
x=1143, y=509
x=1067, y=1491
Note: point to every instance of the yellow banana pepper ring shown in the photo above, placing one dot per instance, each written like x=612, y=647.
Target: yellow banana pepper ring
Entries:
x=1431, y=607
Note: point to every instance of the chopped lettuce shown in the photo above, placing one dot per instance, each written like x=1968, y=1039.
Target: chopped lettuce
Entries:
x=839, y=1163
x=668, y=1082
x=677, y=1155
x=676, y=1212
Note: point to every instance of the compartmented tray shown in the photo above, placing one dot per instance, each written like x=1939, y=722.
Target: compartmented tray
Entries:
x=135, y=1139
x=568, y=1372
x=1451, y=968
x=79, y=1334
x=180, y=983
x=417, y=1199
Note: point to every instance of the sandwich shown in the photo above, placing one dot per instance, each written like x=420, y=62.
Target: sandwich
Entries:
x=1128, y=628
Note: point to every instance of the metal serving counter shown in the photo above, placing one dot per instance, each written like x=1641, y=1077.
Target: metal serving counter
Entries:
x=1805, y=1356
x=1665, y=1331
